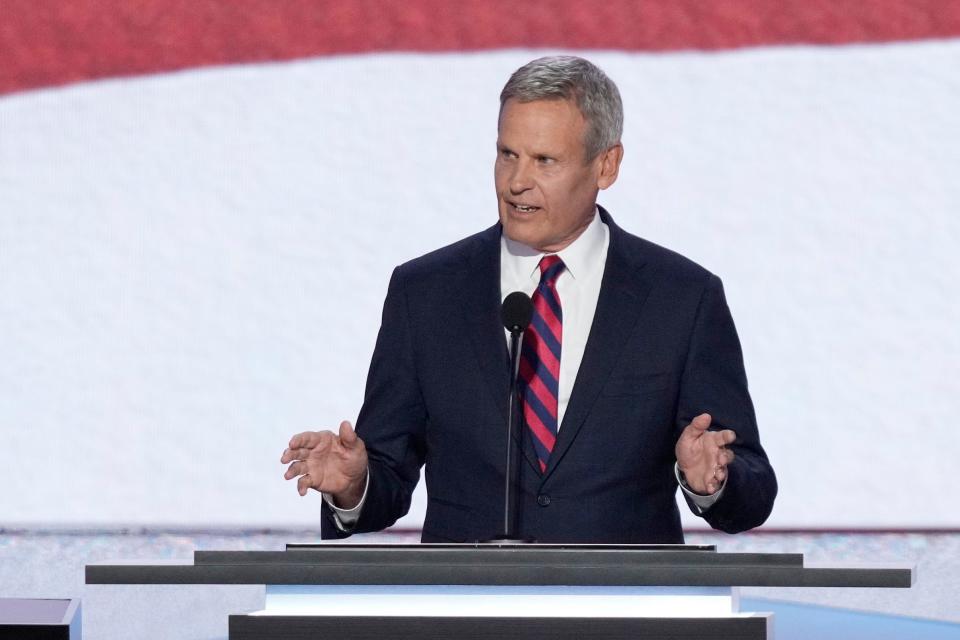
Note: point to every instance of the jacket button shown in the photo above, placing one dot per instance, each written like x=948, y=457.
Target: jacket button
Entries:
x=543, y=500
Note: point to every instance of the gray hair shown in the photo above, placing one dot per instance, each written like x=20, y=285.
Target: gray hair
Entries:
x=572, y=78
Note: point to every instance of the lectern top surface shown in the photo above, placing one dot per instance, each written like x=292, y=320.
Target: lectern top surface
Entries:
x=524, y=566
x=506, y=545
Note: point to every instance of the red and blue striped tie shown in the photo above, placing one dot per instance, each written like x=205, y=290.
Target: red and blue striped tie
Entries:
x=540, y=361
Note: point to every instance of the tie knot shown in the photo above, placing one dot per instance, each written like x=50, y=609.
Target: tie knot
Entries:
x=550, y=268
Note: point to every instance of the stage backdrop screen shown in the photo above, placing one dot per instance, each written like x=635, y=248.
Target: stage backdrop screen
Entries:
x=192, y=265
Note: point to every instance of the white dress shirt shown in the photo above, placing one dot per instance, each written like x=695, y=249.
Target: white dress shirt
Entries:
x=578, y=287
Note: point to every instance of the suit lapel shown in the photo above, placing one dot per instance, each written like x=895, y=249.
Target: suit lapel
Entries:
x=623, y=290
x=479, y=286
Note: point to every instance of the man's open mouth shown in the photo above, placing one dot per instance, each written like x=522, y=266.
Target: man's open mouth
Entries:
x=523, y=208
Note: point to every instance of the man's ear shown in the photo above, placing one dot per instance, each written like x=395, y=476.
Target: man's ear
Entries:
x=610, y=166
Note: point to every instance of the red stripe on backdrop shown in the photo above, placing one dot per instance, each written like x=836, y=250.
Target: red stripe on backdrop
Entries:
x=53, y=42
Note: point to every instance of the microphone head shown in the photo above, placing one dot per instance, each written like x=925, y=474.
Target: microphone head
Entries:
x=516, y=312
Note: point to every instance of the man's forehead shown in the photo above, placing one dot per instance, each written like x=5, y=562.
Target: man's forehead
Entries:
x=559, y=104
x=547, y=124
x=541, y=115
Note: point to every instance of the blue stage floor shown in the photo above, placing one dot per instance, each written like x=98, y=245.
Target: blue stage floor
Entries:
x=793, y=621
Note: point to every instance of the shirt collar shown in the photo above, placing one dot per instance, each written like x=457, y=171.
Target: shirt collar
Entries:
x=581, y=257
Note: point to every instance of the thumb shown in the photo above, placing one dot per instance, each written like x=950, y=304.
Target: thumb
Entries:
x=348, y=436
x=702, y=422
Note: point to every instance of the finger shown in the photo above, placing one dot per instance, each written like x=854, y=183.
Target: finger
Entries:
x=720, y=474
x=308, y=439
x=720, y=439
x=318, y=445
x=304, y=484
x=348, y=437
x=294, y=470
x=302, y=454
x=727, y=457
x=289, y=455
x=300, y=440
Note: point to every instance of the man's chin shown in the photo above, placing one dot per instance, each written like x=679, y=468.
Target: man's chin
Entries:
x=515, y=231
x=522, y=236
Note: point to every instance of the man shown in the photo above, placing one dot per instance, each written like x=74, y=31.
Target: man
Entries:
x=631, y=372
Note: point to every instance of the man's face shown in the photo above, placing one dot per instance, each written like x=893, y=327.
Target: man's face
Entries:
x=546, y=187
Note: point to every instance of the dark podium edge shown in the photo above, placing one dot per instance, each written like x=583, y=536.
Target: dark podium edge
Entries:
x=750, y=626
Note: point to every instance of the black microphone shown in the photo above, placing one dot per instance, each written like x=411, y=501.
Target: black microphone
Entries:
x=516, y=313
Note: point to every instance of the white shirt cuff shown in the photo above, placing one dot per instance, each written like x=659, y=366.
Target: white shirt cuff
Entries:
x=345, y=519
x=702, y=502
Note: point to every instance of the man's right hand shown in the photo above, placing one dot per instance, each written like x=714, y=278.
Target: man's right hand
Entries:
x=332, y=463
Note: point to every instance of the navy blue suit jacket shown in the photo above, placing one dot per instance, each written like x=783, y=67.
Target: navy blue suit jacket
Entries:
x=662, y=349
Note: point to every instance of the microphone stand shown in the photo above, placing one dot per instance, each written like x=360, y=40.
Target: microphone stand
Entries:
x=516, y=312
x=509, y=528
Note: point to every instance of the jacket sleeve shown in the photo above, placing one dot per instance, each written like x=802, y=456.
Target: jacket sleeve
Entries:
x=391, y=422
x=714, y=381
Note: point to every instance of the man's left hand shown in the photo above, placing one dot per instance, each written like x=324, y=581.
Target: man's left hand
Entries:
x=703, y=455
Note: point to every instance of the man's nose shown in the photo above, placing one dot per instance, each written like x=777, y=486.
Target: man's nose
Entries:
x=522, y=178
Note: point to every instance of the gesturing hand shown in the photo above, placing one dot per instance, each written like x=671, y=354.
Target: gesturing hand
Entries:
x=328, y=462
x=703, y=455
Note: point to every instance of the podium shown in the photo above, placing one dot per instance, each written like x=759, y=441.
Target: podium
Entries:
x=486, y=591
x=39, y=619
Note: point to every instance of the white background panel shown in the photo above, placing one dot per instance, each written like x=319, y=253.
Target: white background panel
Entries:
x=192, y=266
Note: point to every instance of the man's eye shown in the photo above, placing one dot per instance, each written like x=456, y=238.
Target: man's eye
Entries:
x=506, y=153
x=545, y=160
